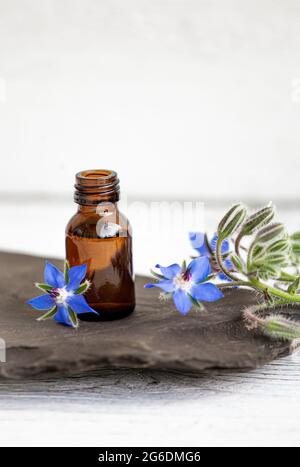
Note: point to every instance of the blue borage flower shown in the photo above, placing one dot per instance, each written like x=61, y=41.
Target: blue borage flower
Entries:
x=200, y=243
x=63, y=297
x=187, y=285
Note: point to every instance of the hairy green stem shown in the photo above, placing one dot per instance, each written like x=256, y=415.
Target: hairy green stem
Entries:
x=273, y=325
x=288, y=298
x=237, y=244
x=220, y=261
x=251, y=316
x=249, y=255
x=256, y=284
x=253, y=282
x=286, y=277
x=233, y=284
x=252, y=311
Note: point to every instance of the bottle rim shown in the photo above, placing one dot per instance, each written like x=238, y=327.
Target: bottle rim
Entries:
x=94, y=186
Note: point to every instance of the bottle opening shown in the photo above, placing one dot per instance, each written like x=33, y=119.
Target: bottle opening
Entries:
x=96, y=174
x=94, y=186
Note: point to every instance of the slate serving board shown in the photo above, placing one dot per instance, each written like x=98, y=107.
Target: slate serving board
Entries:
x=155, y=336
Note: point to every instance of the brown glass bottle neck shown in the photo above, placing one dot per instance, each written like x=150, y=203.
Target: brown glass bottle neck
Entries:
x=96, y=186
x=98, y=208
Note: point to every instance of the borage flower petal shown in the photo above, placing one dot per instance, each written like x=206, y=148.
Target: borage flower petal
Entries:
x=169, y=272
x=76, y=275
x=43, y=302
x=53, y=276
x=225, y=249
x=182, y=301
x=199, y=269
x=198, y=242
x=79, y=304
x=225, y=245
x=62, y=316
x=167, y=286
x=206, y=292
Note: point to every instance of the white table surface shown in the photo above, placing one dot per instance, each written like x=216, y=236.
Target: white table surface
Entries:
x=142, y=408
x=135, y=408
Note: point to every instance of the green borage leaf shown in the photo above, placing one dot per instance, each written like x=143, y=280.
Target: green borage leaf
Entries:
x=50, y=314
x=295, y=243
x=257, y=220
x=270, y=233
x=83, y=287
x=73, y=318
x=43, y=287
x=232, y=220
x=268, y=271
x=196, y=303
x=66, y=271
x=280, y=246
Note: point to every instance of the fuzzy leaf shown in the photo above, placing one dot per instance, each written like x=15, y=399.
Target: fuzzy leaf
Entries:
x=296, y=249
x=73, y=318
x=280, y=246
x=83, y=287
x=49, y=314
x=257, y=220
x=295, y=244
x=296, y=237
x=44, y=287
x=257, y=253
x=277, y=259
x=270, y=232
x=268, y=271
x=66, y=271
x=232, y=221
x=196, y=303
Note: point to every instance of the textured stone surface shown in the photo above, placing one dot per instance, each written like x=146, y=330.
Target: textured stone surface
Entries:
x=155, y=336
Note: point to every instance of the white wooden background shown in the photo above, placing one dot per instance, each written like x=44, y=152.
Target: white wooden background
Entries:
x=147, y=87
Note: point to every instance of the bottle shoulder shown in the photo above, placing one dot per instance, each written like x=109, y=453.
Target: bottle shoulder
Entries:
x=89, y=223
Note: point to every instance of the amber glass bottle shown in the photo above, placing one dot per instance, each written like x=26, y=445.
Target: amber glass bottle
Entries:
x=100, y=236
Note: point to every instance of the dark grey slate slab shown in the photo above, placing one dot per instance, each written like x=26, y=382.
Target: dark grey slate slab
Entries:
x=155, y=336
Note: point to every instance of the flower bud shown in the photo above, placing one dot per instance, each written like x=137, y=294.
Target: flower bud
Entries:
x=258, y=220
x=232, y=220
x=270, y=232
x=281, y=328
